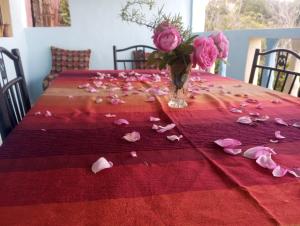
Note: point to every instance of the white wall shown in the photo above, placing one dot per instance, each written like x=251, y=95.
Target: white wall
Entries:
x=96, y=25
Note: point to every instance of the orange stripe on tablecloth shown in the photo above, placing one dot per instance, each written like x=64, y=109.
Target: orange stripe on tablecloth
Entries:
x=214, y=207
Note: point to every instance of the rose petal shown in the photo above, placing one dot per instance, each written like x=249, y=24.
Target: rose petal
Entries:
x=266, y=161
x=153, y=119
x=83, y=86
x=251, y=101
x=91, y=90
x=278, y=135
x=259, y=106
x=155, y=127
x=37, y=113
x=133, y=154
x=235, y=110
x=150, y=99
x=276, y=101
x=296, y=124
x=279, y=171
x=48, y=114
x=121, y=122
x=132, y=137
x=274, y=141
x=98, y=100
x=44, y=130
x=261, y=118
x=228, y=143
x=163, y=129
x=174, y=137
x=101, y=164
x=254, y=114
x=255, y=152
x=233, y=151
x=245, y=120
x=280, y=121
x=110, y=116
x=295, y=172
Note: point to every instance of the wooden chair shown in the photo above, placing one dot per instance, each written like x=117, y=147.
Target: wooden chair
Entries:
x=133, y=57
x=279, y=76
x=14, y=99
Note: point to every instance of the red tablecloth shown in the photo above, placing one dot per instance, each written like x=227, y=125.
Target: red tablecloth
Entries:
x=45, y=162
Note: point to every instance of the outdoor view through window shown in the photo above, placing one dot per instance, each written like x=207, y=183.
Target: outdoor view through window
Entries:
x=252, y=14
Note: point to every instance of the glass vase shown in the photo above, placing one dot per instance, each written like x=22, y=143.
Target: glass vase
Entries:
x=179, y=73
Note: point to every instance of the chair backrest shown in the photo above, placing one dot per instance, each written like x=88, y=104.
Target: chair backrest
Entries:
x=14, y=99
x=133, y=57
x=274, y=69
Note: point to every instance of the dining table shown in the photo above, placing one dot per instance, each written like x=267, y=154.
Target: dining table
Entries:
x=175, y=169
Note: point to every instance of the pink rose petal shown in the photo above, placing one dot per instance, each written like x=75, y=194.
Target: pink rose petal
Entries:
x=133, y=154
x=295, y=172
x=276, y=101
x=83, y=86
x=262, y=118
x=132, y=137
x=235, y=110
x=150, y=99
x=245, y=120
x=101, y=164
x=233, y=151
x=279, y=171
x=255, y=152
x=254, y=114
x=155, y=127
x=228, y=143
x=110, y=115
x=163, y=129
x=296, y=124
x=98, y=100
x=48, y=114
x=280, y=121
x=44, y=130
x=278, y=135
x=121, y=122
x=251, y=101
x=38, y=113
x=259, y=106
x=174, y=137
x=274, y=141
x=154, y=119
x=266, y=161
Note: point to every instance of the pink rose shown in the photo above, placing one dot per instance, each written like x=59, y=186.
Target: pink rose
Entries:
x=205, y=52
x=222, y=44
x=166, y=37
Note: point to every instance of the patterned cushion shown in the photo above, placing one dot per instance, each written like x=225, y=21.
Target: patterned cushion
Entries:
x=63, y=59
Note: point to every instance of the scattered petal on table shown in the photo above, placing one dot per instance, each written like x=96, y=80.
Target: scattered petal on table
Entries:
x=296, y=124
x=252, y=101
x=274, y=141
x=98, y=100
x=228, y=143
x=245, y=120
x=132, y=137
x=295, y=172
x=279, y=171
x=280, y=121
x=38, y=113
x=133, y=154
x=116, y=101
x=91, y=90
x=261, y=118
x=150, y=99
x=154, y=119
x=276, y=101
x=163, y=129
x=174, y=137
x=266, y=161
x=278, y=135
x=233, y=151
x=83, y=86
x=155, y=127
x=254, y=114
x=235, y=110
x=101, y=164
x=44, y=130
x=255, y=152
x=70, y=97
x=48, y=113
x=259, y=106
x=121, y=122
x=110, y=115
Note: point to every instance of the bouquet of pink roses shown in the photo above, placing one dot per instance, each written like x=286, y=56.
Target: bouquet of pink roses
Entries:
x=177, y=48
